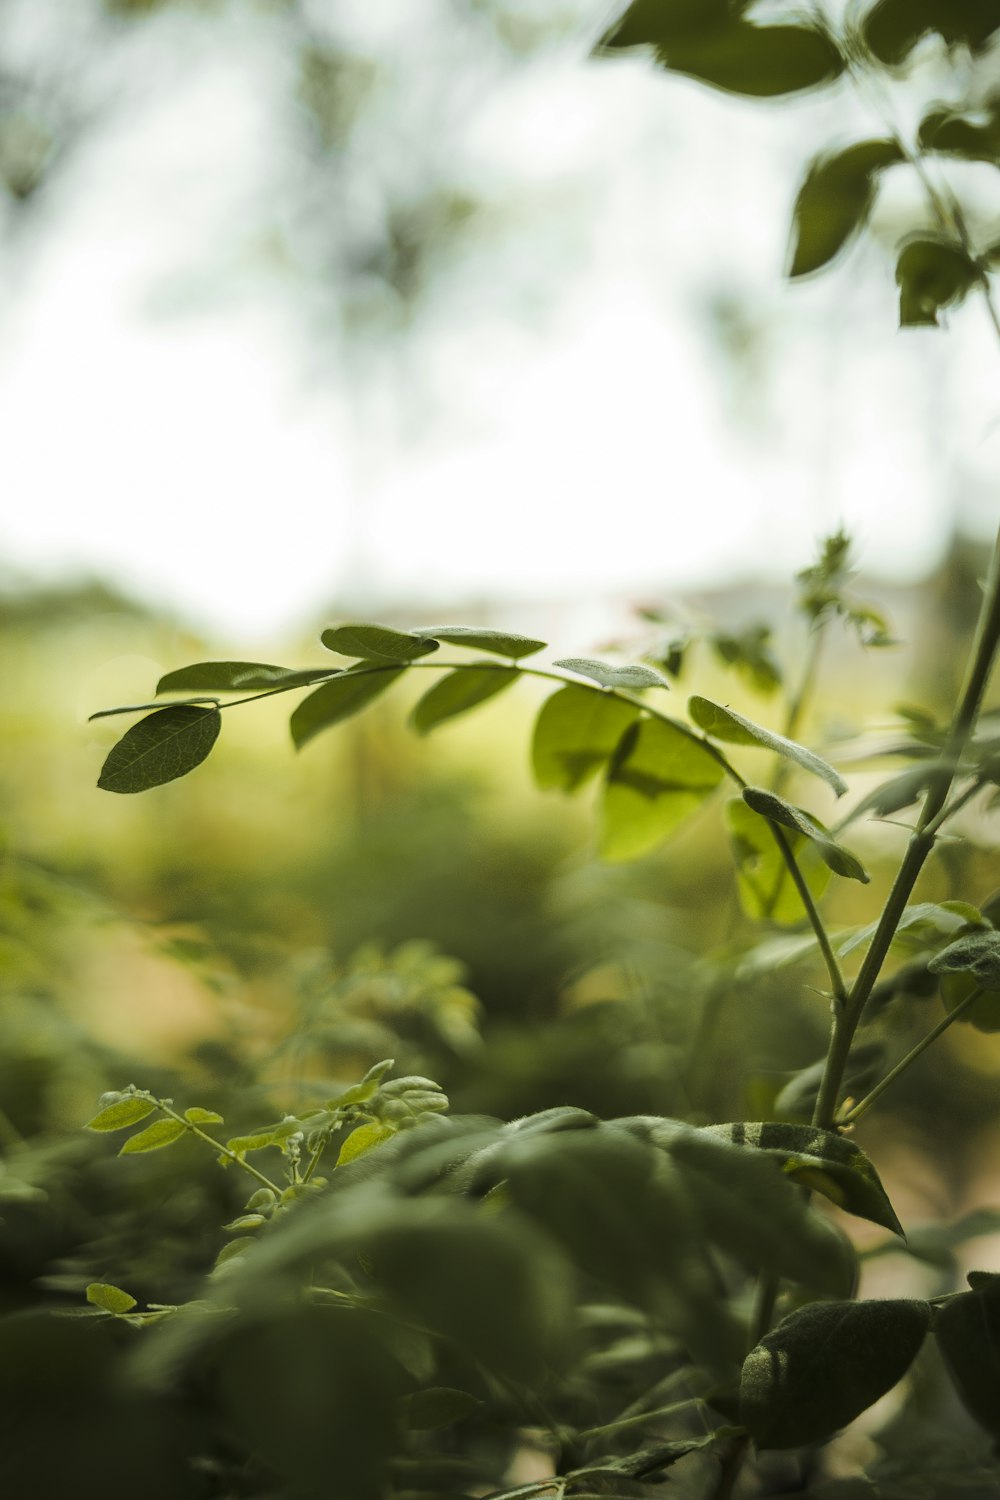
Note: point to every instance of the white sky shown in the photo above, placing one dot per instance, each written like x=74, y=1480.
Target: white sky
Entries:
x=179, y=412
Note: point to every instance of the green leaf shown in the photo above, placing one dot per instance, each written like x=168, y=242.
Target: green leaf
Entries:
x=892, y=28
x=127, y=1111
x=154, y=1137
x=198, y=1116
x=139, y=708
x=820, y=1159
x=437, y=1406
x=709, y=42
x=826, y=1364
x=798, y=1097
x=727, y=725
x=377, y=643
x=498, y=642
x=976, y=955
x=835, y=200
x=237, y=676
x=576, y=733
x=932, y=273
x=339, y=699
x=922, y=925
x=769, y=805
x=952, y=134
x=167, y=744
x=241, y=1144
x=363, y=1140
x=967, y=1329
x=766, y=890
x=635, y=677
x=461, y=690
x=659, y=775
x=982, y=1014
x=108, y=1298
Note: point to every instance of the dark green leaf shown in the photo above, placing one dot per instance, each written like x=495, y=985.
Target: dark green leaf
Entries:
x=952, y=134
x=237, y=676
x=967, y=1329
x=128, y=1110
x=659, y=775
x=826, y=1364
x=834, y=201
x=154, y=1137
x=437, y=1406
x=798, y=1097
x=167, y=744
x=769, y=805
x=893, y=27
x=767, y=892
x=727, y=725
x=377, y=643
x=138, y=708
x=668, y=23
x=976, y=955
x=461, y=690
x=339, y=699
x=613, y=677
x=498, y=642
x=820, y=1159
x=576, y=733
x=110, y=1299
x=932, y=273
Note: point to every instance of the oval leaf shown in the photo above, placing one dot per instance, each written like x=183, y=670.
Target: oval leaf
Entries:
x=154, y=1137
x=127, y=1111
x=660, y=774
x=498, y=642
x=198, y=1116
x=892, y=28
x=576, y=733
x=108, y=1298
x=769, y=805
x=727, y=725
x=363, y=1140
x=932, y=273
x=237, y=676
x=977, y=955
x=339, y=699
x=377, y=642
x=613, y=677
x=820, y=1159
x=461, y=690
x=167, y=744
x=826, y=1364
x=967, y=1329
x=834, y=202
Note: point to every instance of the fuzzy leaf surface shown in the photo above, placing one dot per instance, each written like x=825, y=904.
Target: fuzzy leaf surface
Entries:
x=377, y=643
x=726, y=724
x=840, y=860
x=498, y=642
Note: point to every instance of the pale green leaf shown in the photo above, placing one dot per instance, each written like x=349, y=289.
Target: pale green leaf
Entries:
x=576, y=733
x=126, y=1111
x=632, y=677
x=108, y=1298
x=154, y=1137
x=659, y=775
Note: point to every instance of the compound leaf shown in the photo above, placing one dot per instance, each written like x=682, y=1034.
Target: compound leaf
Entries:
x=826, y=1364
x=339, y=699
x=167, y=744
x=459, y=691
x=726, y=724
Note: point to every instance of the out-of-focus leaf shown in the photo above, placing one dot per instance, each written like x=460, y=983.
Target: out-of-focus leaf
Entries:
x=835, y=200
x=826, y=1364
x=110, y=1299
x=167, y=744
x=438, y=1406
x=458, y=692
x=766, y=890
x=377, y=643
x=658, y=776
x=953, y=134
x=892, y=28
x=576, y=733
x=727, y=725
x=977, y=955
x=932, y=273
x=798, y=1097
x=840, y=860
x=967, y=1329
x=338, y=699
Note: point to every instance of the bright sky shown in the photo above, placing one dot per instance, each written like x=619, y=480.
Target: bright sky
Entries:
x=182, y=412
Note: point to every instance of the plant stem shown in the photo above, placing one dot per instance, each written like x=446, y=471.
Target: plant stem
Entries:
x=857, y=1110
x=847, y=1018
x=219, y=1147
